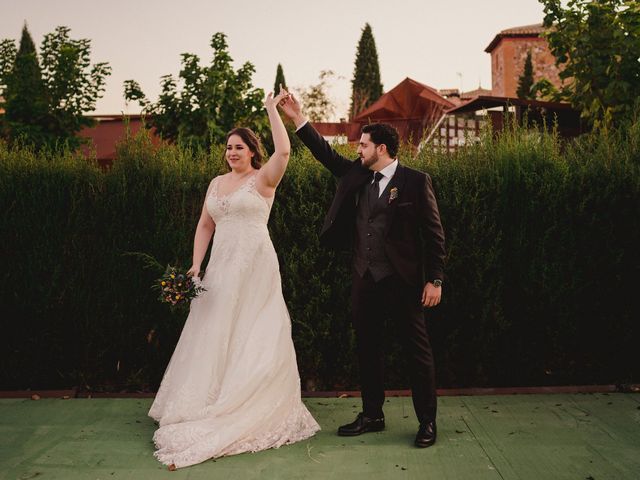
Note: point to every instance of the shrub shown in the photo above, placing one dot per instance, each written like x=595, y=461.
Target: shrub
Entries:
x=542, y=262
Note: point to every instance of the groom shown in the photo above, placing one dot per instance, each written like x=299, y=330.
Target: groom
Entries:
x=380, y=211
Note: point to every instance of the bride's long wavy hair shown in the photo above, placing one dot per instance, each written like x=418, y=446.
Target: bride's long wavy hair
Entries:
x=252, y=141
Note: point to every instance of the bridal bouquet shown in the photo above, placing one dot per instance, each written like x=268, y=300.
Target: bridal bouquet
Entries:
x=176, y=288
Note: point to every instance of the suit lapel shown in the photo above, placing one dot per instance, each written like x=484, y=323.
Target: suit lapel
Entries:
x=397, y=182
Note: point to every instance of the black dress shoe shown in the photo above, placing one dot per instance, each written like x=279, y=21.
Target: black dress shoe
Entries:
x=361, y=425
x=426, y=435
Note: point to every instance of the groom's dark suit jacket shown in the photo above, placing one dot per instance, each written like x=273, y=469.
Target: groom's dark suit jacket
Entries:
x=414, y=239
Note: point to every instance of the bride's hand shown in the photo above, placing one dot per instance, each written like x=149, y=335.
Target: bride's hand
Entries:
x=272, y=102
x=194, y=271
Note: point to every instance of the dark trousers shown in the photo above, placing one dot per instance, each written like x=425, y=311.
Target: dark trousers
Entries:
x=372, y=302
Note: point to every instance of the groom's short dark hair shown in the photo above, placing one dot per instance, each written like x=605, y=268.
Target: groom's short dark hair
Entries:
x=383, y=134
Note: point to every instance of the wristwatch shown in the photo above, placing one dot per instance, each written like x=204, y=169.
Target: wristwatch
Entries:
x=437, y=283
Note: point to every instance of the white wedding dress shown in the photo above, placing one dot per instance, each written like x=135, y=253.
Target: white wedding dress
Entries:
x=232, y=384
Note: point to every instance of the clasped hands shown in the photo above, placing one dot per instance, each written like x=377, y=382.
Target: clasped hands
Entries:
x=271, y=102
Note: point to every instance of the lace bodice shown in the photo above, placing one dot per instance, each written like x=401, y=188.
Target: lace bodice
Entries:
x=245, y=204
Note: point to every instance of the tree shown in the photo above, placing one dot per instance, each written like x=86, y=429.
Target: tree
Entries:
x=296, y=143
x=45, y=98
x=365, y=86
x=25, y=100
x=316, y=104
x=212, y=101
x=280, y=81
x=525, y=82
x=597, y=44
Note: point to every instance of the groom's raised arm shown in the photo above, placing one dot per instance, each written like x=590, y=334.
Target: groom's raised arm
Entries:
x=319, y=147
x=322, y=151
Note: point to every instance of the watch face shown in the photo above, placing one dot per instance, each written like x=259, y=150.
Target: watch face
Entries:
x=437, y=283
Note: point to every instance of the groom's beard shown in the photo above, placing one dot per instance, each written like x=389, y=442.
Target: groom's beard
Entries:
x=370, y=161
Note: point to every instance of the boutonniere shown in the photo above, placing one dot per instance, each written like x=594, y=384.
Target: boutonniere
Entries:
x=393, y=194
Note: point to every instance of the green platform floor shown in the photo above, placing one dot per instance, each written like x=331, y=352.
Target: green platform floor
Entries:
x=577, y=437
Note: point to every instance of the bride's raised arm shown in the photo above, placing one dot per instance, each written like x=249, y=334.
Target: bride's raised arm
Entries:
x=272, y=172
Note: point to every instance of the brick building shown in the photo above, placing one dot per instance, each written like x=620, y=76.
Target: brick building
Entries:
x=508, y=51
x=109, y=130
x=462, y=123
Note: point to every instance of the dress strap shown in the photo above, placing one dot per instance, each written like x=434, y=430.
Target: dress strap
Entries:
x=251, y=183
x=213, y=187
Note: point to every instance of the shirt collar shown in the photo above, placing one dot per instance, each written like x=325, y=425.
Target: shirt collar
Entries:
x=390, y=169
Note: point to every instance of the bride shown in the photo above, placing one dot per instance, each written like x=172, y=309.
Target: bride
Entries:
x=232, y=384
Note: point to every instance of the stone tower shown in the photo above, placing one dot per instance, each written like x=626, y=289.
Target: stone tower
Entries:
x=508, y=52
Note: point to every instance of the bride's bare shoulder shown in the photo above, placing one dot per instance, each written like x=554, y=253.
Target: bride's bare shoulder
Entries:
x=218, y=177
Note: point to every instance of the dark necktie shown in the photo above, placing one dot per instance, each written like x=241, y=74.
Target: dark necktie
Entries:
x=374, y=188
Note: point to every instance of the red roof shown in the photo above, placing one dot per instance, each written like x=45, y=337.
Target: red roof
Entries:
x=413, y=108
x=409, y=100
x=524, y=31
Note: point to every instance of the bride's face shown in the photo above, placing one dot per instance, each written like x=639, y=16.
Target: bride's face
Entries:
x=238, y=153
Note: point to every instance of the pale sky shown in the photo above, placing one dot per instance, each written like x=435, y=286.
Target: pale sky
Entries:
x=439, y=43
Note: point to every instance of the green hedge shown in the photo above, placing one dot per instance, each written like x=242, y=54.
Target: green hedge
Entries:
x=542, y=271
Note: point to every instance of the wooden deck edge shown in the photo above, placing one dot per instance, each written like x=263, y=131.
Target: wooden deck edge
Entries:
x=37, y=394
x=444, y=392
x=453, y=392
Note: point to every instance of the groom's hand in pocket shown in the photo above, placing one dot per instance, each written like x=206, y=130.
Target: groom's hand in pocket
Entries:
x=431, y=295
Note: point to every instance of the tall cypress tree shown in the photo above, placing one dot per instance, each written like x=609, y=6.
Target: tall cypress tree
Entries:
x=525, y=82
x=296, y=143
x=26, y=95
x=279, y=80
x=366, y=87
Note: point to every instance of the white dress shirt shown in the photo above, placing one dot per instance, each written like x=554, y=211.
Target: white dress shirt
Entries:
x=388, y=172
